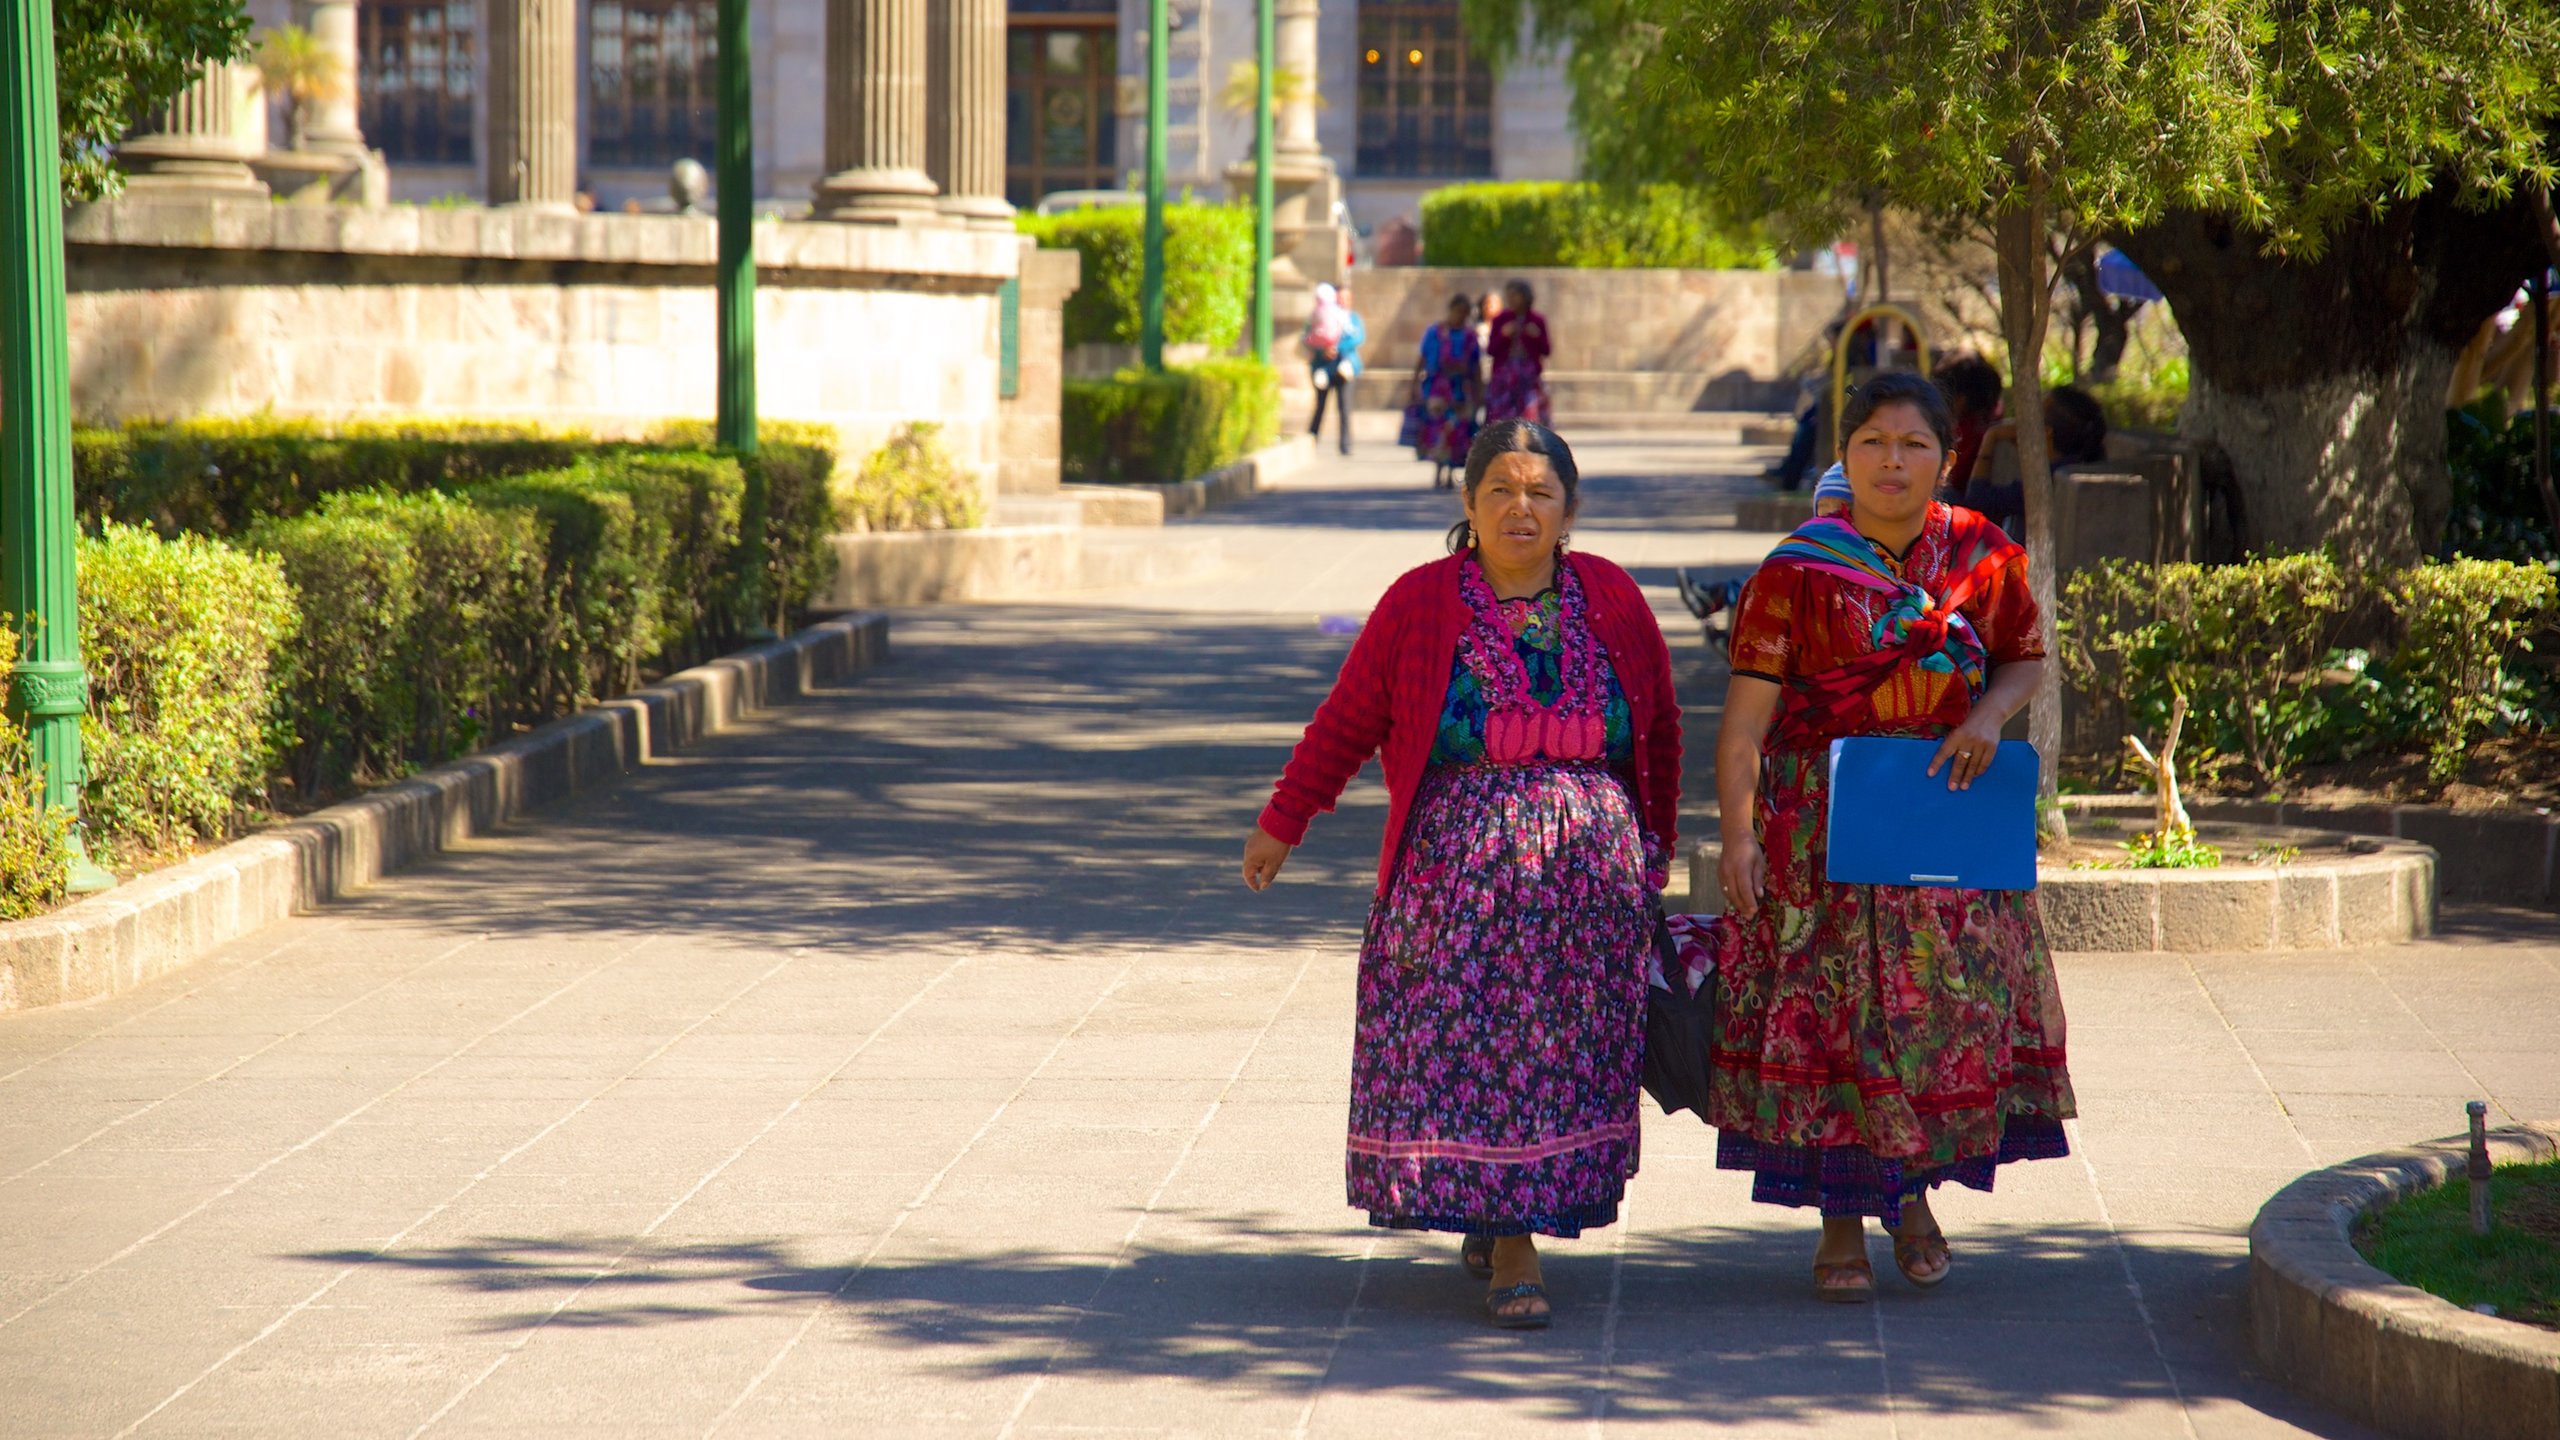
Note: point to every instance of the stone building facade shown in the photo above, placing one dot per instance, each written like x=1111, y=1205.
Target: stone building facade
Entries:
x=1402, y=104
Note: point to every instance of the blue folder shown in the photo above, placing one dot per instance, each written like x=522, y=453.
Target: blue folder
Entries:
x=1893, y=823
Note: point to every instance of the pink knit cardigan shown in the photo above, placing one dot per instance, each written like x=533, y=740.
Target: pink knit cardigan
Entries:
x=1393, y=685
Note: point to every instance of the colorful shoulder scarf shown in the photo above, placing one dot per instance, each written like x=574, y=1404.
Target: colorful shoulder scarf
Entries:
x=1916, y=627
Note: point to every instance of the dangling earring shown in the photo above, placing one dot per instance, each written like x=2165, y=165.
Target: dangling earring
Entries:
x=1564, y=542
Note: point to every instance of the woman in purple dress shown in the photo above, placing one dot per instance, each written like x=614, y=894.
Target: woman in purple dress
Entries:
x=1519, y=346
x=1448, y=385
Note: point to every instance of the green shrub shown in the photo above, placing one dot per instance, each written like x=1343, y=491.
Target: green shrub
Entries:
x=2254, y=649
x=1527, y=224
x=221, y=475
x=1182, y=423
x=598, y=589
x=2463, y=622
x=796, y=459
x=910, y=483
x=35, y=847
x=1208, y=269
x=352, y=702
x=2144, y=402
x=480, y=620
x=2497, y=509
x=184, y=641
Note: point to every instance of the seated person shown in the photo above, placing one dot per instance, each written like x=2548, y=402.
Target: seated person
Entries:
x=1972, y=389
x=2075, y=434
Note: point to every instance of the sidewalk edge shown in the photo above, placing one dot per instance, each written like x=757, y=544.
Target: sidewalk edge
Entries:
x=159, y=922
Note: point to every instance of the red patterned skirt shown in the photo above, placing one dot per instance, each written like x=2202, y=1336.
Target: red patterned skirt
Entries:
x=1874, y=1040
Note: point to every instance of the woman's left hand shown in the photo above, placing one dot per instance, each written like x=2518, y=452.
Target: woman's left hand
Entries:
x=1969, y=748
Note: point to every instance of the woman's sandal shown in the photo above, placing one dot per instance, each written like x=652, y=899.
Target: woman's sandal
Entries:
x=1517, y=1319
x=1844, y=1282
x=1476, y=1253
x=1909, y=1255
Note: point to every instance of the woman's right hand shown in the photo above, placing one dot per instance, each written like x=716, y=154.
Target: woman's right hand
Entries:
x=1264, y=854
x=1744, y=875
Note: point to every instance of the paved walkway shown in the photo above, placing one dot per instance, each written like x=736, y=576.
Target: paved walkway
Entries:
x=912, y=1064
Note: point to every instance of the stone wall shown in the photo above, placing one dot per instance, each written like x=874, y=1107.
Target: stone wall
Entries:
x=1717, y=337
x=601, y=321
x=1028, y=437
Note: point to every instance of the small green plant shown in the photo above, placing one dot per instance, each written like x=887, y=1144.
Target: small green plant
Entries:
x=910, y=483
x=35, y=847
x=2148, y=401
x=2169, y=850
x=2267, y=852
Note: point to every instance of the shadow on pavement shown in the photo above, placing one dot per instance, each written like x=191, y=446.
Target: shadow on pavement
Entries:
x=1712, y=1326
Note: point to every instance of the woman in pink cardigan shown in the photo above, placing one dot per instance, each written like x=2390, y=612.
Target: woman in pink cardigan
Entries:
x=1520, y=701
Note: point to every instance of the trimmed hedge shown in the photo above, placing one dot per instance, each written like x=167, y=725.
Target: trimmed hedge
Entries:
x=223, y=476
x=1191, y=419
x=1208, y=271
x=184, y=641
x=1531, y=224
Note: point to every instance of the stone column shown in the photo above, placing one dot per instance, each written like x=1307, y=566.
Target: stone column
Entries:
x=201, y=145
x=333, y=125
x=964, y=149
x=532, y=72
x=1295, y=22
x=876, y=114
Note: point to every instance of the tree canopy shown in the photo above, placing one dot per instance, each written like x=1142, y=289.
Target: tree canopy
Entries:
x=117, y=61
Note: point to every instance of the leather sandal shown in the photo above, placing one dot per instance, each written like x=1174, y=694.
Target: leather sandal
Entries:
x=1517, y=1319
x=1476, y=1253
x=1919, y=1250
x=1844, y=1282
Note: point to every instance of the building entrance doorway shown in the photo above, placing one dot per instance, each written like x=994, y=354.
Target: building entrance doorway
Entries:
x=1060, y=81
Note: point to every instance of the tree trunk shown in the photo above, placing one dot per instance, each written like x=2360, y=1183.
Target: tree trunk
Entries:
x=2323, y=381
x=2026, y=305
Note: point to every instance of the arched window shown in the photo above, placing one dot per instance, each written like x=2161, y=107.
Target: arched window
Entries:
x=1426, y=105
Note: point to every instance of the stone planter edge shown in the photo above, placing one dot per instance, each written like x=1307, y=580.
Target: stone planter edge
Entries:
x=1230, y=484
x=2481, y=855
x=170, y=918
x=2386, y=1354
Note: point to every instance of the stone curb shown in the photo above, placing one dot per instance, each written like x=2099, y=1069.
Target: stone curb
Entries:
x=2386, y=1354
x=156, y=923
x=1229, y=484
x=2501, y=856
x=2382, y=899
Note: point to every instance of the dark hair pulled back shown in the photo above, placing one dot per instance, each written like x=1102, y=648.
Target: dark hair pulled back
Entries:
x=1899, y=387
x=1516, y=437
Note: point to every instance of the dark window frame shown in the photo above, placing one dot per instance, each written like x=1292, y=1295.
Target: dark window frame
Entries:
x=1426, y=102
x=418, y=72
x=1029, y=173
x=647, y=113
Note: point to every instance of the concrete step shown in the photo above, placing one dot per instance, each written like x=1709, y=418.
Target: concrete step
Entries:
x=1672, y=392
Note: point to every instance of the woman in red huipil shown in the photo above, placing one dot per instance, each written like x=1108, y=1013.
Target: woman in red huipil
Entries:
x=1519, y=699
x=1518, y=346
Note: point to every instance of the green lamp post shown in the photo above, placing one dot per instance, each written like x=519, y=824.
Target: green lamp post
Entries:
x=39, y=588
x=735, y=429
x=1266, y=46
x=1151, y=278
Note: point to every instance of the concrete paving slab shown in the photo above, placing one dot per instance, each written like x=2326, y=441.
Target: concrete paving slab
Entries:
x=908, y=1063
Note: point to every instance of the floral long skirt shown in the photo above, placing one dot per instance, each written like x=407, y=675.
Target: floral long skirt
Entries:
x=1501, y=1027
x=1441, y=422
x=1517, y=391
x=1875, y=1040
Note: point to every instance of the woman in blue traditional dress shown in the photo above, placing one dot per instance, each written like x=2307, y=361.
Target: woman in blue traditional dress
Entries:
x=1448, y=385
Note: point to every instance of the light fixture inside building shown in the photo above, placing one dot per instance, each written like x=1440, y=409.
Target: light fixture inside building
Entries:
x=1373, y=57
x=1413, y=57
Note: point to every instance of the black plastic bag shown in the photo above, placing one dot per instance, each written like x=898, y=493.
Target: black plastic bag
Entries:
x=1680, y=1014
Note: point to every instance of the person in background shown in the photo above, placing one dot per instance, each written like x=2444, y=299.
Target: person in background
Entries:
x=1333, y=359
x=1518, y=345
x=2075, y=432
x=1972, y=389
x=1448, y=385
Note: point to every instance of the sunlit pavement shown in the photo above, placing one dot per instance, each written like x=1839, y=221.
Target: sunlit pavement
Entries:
x=911, y=1062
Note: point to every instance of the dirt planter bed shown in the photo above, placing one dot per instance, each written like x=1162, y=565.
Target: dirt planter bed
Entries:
x=2386, y=1354
x=2346, y=891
